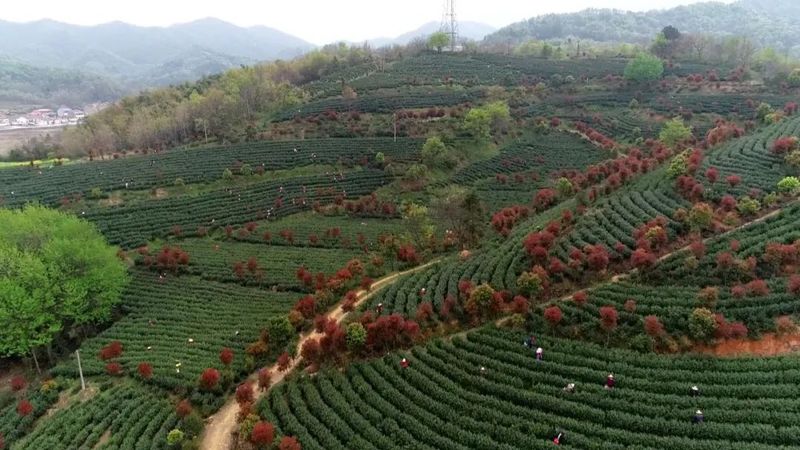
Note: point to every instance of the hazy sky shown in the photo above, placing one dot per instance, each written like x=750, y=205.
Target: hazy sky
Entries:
x=317, y=21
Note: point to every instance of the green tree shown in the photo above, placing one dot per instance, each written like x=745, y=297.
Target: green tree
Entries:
x=793, y=159
x=438, y=40
x=57, y=276
x=436, y=154
x=678, y=166
x=529, y=284
x=175, y=437
x=356, y=336
x=227, y=175
x=701, y=216
x=674, y=132
x=702, y=324
x=462, y=212
x=645, y=67
x=564, y=187
x=748, y=206
x=789, y=185
x=280, y=331
x=491, y=118
x=794, y=78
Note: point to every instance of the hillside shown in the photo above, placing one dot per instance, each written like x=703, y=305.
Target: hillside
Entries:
x=138, y=57
x=349, y=252
x=766, y=22
x=28, y=85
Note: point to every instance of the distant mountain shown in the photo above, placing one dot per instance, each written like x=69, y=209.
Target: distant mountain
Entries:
x=139, y=57
x=469, y=30
x=767, y=22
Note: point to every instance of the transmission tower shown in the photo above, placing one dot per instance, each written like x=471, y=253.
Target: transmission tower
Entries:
x=450, y=23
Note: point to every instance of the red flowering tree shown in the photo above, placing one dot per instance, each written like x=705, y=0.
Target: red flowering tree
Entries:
x=653, y=326
x=184, y=408
x=553, y=315
x=289, y=443
x=145, y=370
x=209, y=379
x=284, y=360
x=114, y=369
x=111, y=351
x=264, y=379
x=24, y=408
x=226, y=356
x=642, y=259
x=793, y=286
x=263, y=434
x=580, y=298
x=244, y=393
x=311, y=351
x=733, y=180
x=18, y=383
x=608, y=318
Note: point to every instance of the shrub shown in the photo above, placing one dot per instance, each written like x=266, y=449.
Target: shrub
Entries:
x=701, y=216
x=580, y=297
x=244, y=393
x=227, y=175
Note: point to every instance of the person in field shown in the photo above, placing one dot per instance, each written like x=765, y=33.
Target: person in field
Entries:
x=610, y=381
x=559, y=437
x=379, y=309
x=539, y=354
x=530, y=341
x=404, y=363
x=569, y=388
x=694, y=391
x=698, y=417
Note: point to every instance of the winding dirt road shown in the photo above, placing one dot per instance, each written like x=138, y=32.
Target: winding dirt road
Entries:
x=218, y=433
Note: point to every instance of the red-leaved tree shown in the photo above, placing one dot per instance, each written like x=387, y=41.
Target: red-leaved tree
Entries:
x=553, y=315
x=24, y=408
x=608, y=318
x=653, y=326
x=209, y=379
x=226, y=356
x=145, y=370
x=289, y=443
x=184, y=408
x=262, y=435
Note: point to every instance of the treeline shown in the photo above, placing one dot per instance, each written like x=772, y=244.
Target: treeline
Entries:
x=225, y=108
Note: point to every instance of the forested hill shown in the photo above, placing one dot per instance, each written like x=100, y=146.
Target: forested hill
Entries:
x=27, y=85
x=766, y=22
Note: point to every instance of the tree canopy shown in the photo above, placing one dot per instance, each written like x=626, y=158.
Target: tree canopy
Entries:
x=482, y=122
x=439, y=40
x=645, y=67
x=57, y=273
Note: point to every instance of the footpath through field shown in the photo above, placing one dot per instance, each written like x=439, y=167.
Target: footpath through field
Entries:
x=220, y=426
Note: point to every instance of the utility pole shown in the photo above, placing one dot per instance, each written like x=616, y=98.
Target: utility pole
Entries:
x=80, y=369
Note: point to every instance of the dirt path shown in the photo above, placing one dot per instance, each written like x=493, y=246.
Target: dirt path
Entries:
x=770, y=344
x=220, y=426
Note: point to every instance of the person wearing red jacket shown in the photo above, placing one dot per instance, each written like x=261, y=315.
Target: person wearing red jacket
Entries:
x=610, y=382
